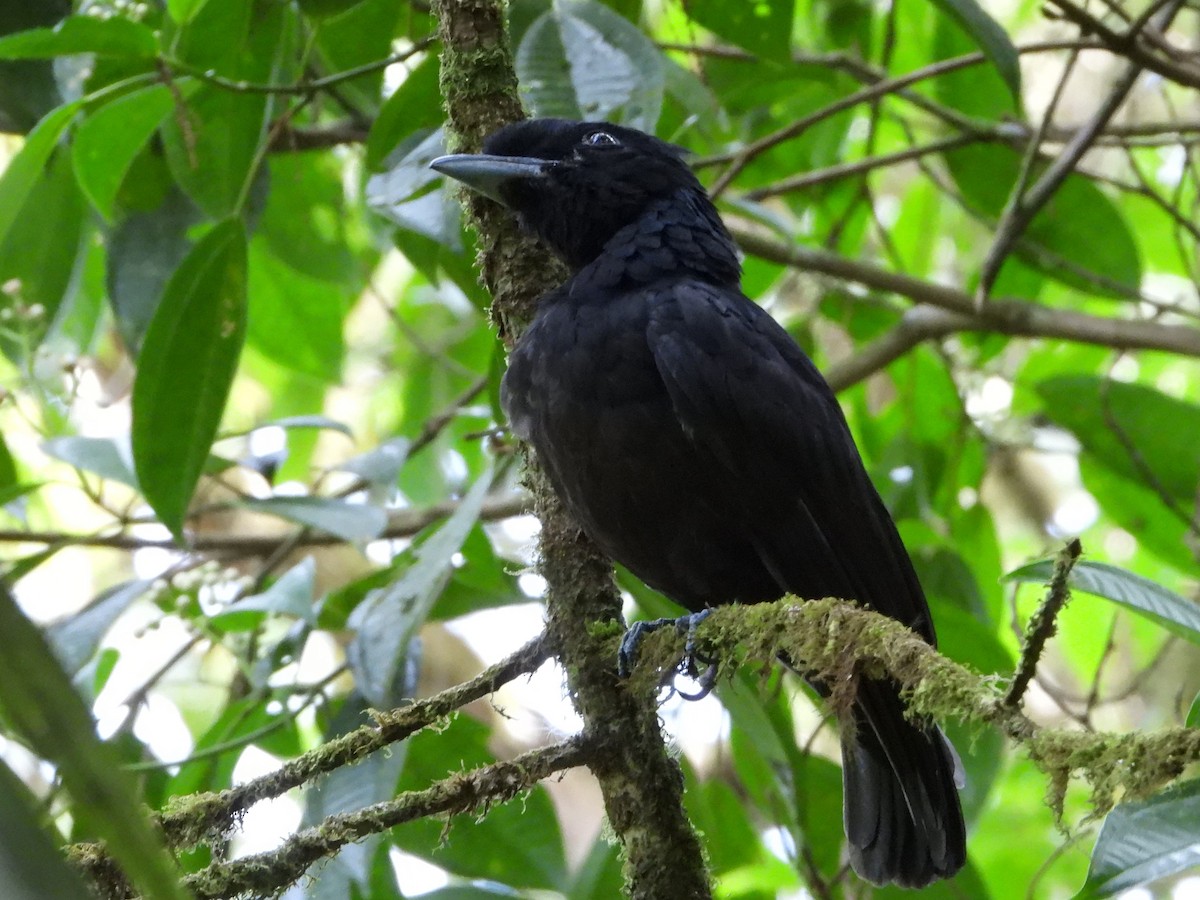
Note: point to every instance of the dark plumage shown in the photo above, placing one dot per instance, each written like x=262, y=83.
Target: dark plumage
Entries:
x=697, y=444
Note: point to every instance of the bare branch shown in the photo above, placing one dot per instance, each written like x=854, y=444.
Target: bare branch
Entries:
x=1016, y=317
x=401, y=524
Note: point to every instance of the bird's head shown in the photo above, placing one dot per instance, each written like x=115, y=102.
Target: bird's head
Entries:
x=574, y=184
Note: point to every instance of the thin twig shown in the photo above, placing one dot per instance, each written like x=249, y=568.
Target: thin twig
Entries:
x=1010, y=225
x=401, y=524
x=304, y=87
x=1044, y=622
x=1127, y=45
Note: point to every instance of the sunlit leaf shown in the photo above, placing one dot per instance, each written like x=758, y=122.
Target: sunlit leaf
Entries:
x=102, y=456
x=1141, y=595
x=763, y=27
x=291, y=594
x=112, y=36
x=185, y=371
x=109, y=139
x=76, y=639
x=26, y=167
x=388, y=620
x=349, y=521
x=380, y=465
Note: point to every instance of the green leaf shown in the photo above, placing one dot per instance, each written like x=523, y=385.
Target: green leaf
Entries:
x=1144, y=416
x=1141, y=595
x=108, y=139
x=388, y=620
x=44, y=710
x=43, y=254
x=582, y=60
x=24, y=169
x=1146, y=840
x=291, y=594
x=295, y=320
x=414, y=106
x=75, y=640
x=1079, y=231
x=31, y=867
x=99, y=455
x=361, y=35
x=309, y=223
x=599, y=876
x=763, y=27
x=967, y=883
x=29, y=89
x=212, y=148
x=144, y=250
x=213, y=158
x=183, y=10
x=185, y=370
x=991, y=38
x=8, y=468
x=1138, y=509
x=978, y=91
x=113, y=36
x=349, y=521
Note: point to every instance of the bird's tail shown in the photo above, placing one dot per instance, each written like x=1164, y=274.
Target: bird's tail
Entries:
x=904, y=821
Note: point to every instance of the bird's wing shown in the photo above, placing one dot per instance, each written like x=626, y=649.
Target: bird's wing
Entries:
x=780, y=450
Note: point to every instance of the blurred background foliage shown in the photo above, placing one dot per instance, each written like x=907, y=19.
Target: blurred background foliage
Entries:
x=253, y=473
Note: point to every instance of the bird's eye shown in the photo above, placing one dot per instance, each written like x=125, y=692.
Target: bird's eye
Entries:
x=600, y=139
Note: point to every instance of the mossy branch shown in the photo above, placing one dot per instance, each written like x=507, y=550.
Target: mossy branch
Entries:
x=202, y=817
x=839, y=642
x=265, y=874
x=832, y=639
x=641, y=783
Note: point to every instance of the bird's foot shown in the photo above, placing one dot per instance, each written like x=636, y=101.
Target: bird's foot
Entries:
x=692, y=659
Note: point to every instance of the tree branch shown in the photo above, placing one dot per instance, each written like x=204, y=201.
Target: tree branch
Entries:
x=839, y=642
x=1016, y=317
x=267, y=874
x=401, y=524
x=1022, y=209
x=641, y=783
x=202, y=817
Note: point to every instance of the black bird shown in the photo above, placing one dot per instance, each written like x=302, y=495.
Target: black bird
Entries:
x=696, y=443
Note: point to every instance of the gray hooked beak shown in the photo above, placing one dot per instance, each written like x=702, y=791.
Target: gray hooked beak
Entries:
x=487, y=174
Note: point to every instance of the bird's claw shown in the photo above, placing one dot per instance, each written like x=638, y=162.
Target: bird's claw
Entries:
x=707, y=678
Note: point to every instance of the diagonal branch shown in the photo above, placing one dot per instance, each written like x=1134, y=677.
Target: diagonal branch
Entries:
x=1016, y=317
x=1021, y=212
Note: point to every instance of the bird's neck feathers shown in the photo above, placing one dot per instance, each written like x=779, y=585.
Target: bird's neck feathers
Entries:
x=678, y=236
